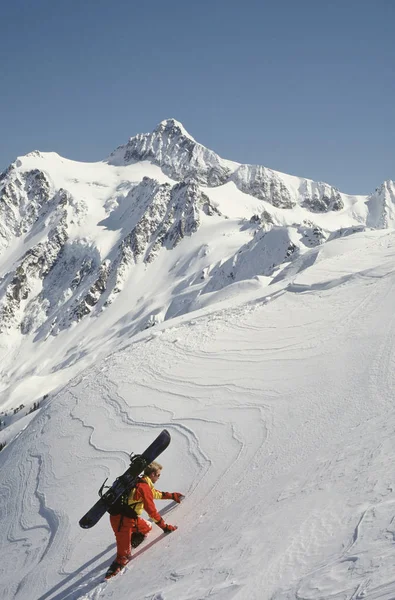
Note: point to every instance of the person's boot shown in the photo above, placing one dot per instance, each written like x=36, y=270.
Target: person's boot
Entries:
x=136, y=539
x=113, y=570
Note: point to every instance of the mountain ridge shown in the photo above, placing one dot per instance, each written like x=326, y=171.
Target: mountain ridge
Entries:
x=144, y=214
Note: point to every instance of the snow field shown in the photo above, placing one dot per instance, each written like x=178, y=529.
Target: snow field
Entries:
x=282, y=430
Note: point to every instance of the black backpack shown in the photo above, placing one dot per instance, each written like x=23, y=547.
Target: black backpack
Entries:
x=121, y=506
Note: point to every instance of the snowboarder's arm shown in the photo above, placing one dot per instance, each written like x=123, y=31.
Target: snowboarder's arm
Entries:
x=147, y=498
x=149, y=506
x=156, y=494
x=176, y=496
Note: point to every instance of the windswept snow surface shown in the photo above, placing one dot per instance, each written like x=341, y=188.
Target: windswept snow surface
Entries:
x=279, y=400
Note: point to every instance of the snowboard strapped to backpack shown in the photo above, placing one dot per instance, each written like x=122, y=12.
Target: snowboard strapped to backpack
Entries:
x=126, y=482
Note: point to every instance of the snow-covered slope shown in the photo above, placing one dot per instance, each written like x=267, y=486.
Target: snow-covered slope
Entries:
x=280, y=409
x=249, y=312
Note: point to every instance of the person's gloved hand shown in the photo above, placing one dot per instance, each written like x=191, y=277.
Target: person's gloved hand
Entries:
x=166, y=527
x=169, y=528
x=176, y=496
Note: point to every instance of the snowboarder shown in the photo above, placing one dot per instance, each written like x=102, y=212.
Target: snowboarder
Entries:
x=129, y=528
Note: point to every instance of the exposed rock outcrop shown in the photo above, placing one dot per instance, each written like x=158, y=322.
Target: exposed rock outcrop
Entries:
x=176, y=152
x=23, y=199
x=381, y=206
x=264, y=184
x=320, y=197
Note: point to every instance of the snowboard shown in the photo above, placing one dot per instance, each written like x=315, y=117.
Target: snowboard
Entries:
x=126, y=481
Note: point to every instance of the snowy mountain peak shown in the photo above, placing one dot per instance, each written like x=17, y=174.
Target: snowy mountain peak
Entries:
x=181, y=157
x=381, y=206
x=33, y=153
x=177, y=153
x=388, y=185
x=73, y=234
x=172, y=127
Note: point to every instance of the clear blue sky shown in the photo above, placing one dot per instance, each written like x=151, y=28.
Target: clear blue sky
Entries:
x=306, y=87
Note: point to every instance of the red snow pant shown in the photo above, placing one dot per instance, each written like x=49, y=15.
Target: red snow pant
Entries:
x=123, y=528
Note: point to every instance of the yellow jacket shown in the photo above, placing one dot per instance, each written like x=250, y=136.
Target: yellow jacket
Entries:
x=142, y=498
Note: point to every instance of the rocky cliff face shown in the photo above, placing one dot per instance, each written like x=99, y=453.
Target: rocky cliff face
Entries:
x=264, y=184
x=320, y=197
x=17, y=286
x=180, y=157
x=58, y=281
x=381, y=206
x=23, y=198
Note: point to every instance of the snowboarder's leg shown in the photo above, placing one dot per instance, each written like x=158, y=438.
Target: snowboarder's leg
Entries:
x=140, y=530
x=122, y=527
x=143, y=526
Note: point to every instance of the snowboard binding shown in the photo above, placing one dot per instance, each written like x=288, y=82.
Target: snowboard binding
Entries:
x=137, y=463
